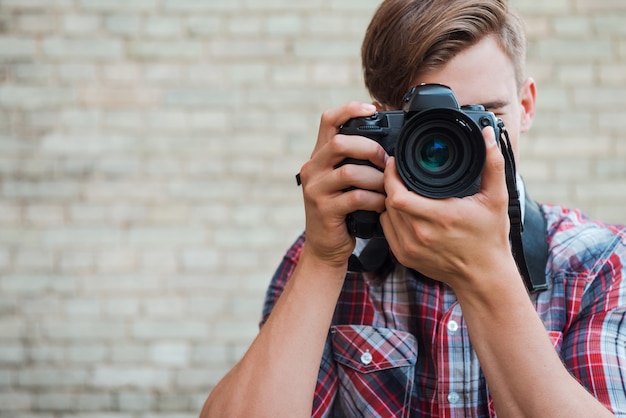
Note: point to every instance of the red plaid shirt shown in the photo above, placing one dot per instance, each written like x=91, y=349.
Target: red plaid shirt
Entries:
x=401, y=348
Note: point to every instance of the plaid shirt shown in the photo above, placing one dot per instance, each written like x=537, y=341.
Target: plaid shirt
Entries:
x=401, y=348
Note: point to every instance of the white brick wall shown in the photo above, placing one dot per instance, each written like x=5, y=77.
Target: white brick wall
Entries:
x=147, y=154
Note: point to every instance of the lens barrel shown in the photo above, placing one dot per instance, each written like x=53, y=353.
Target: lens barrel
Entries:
x=441, y=153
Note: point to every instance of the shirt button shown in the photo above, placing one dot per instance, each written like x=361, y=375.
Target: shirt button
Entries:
x=366, y=358
x=453, y=397
x=453, y=326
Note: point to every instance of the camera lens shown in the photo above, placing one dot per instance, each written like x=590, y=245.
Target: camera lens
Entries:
x=435, y=153
x=440, y=153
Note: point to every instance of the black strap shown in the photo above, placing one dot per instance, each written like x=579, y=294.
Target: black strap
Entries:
x=535, y=245
x=374, y=255
x=533, y=228
x=528, y=239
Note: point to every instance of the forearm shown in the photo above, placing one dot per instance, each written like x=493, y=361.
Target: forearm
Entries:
x=278, y=374
x=523, y=371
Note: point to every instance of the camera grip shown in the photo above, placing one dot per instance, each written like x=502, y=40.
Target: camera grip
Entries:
x=364, y=224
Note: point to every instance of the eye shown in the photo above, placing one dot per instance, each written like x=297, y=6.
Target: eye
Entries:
x=498, y=111
x=498, y=107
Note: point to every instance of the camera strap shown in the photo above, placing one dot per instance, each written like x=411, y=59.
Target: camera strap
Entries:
x=527, y=235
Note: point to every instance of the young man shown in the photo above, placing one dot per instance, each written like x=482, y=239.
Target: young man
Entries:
x=449, y=329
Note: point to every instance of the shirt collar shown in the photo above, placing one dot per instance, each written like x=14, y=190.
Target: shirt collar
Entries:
x=521, y=190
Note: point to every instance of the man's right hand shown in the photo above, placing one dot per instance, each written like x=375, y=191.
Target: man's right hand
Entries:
x=326, y=201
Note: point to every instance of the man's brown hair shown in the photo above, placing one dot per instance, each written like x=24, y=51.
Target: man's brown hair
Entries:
x=408, y=37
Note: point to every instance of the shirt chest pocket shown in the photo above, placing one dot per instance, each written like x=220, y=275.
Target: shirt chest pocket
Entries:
x=376, y=370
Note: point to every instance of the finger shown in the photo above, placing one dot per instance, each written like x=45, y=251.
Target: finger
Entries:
x=341, y=204
x=360, y=199
x=342, y=179
x=332, y=119
x=400, y=198
x=359, y=176
x=388, y=228
x=334, y=154
x=358, y=148
x=326, y=186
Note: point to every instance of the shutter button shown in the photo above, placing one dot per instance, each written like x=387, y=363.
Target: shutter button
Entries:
x=366, y=358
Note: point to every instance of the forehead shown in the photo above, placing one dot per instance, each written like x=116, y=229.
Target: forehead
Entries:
x=482, y=73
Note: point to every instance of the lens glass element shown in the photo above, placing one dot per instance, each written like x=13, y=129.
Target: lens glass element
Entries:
x=435, y=154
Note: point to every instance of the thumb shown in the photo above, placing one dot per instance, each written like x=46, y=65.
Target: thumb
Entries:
x=493, y=182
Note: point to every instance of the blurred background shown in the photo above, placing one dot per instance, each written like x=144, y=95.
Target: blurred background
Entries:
x=147, y=158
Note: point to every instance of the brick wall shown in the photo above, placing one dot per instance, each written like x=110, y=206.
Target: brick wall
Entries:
x=576, y=154
x=148, y=149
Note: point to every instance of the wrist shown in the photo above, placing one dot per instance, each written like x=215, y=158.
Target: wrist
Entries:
x=333, y=254
x=333, y=267
x=492, y=288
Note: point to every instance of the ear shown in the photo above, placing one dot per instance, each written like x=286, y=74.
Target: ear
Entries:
x=528, y=96
x=379, y=107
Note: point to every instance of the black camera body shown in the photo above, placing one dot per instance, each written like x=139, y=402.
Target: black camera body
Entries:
x=438, y=145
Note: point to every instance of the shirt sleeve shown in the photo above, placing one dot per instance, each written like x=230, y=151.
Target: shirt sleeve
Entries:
x=326, y=388
x=594, y=348
x=281, y=276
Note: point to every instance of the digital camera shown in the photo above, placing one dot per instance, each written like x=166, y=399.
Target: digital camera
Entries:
x=438, y=145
